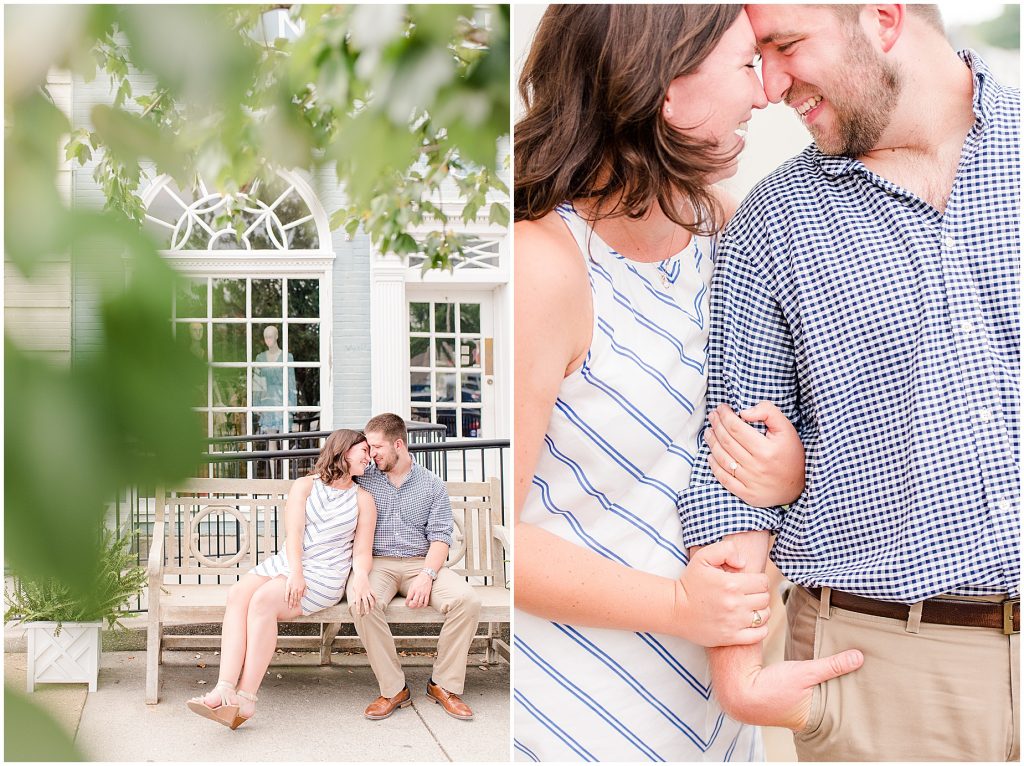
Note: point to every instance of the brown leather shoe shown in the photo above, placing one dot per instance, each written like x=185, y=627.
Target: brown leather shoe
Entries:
x=451, y=703
x=382, y=707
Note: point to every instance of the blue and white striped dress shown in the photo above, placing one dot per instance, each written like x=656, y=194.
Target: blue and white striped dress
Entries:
x=331, y=516
x=619, y=447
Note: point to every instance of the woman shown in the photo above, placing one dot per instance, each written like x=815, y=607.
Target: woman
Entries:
x=329, y=525
x=633, y=111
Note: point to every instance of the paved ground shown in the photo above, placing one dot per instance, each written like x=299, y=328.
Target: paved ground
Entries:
x=306, y=713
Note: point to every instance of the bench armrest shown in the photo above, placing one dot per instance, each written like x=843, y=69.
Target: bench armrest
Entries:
x=155, y=565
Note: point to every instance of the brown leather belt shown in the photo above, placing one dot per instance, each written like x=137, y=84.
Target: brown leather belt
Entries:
x=1004, y=616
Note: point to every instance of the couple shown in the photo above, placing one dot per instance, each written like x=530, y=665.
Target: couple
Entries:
x=365, y=496
x=862, y=319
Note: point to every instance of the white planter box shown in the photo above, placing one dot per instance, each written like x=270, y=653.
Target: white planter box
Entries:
x=68, y=658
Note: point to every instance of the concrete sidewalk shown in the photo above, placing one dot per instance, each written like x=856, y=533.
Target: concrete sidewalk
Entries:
x=306, y=713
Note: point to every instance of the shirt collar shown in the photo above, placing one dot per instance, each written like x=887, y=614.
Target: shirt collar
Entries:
x=834, y=166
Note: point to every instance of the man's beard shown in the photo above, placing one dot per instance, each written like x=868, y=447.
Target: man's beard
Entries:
x=869, y=93
x=386, y=463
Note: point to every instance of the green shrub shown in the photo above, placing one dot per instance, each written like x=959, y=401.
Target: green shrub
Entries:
x=118, y=578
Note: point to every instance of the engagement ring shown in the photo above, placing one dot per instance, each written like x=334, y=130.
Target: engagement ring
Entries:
x=756, y=622
x=733, y=465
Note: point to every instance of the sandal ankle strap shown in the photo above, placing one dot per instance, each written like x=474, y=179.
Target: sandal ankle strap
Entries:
x=247, y=696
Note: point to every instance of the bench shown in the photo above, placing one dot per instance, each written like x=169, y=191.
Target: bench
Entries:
x=209, y=532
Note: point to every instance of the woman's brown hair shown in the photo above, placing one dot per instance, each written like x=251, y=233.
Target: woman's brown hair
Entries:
x=594, y=84
x=332, y=464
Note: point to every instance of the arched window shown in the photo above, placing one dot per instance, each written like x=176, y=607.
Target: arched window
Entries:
x=254, y=301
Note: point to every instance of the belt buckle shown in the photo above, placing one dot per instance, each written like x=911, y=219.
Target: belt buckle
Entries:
x=1008, y=616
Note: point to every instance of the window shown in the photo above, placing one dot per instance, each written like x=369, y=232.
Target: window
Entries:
x=445, y=365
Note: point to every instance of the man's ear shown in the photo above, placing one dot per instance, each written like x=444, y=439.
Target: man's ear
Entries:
x=886, y=23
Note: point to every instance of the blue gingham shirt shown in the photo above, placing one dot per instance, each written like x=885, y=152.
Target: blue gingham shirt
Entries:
x=410, y=517
x=889, y=333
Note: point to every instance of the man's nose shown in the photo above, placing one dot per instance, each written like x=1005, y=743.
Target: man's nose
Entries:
x=776, y=80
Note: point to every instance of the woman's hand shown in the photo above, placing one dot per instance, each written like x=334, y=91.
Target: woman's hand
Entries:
x=294, y=589
x=762, y=470
x=360, y=597
x=723, y=607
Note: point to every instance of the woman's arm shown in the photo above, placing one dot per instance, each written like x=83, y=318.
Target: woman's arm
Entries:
x=294, y=529
x=359, y=594
x=555, y=578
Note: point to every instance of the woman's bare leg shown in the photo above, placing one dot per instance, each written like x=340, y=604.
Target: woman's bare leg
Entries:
x=233, y=632
x=266, y=607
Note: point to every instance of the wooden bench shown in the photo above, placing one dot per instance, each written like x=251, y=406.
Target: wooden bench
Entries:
x=209, y=532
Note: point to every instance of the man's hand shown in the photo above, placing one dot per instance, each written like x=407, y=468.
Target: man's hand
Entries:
x=717, y=605
x=780, y=694
x=419, y=592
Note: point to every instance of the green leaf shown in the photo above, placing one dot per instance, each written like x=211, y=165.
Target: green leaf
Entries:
x=499, y=214
x=31, y=733
x=130, y=138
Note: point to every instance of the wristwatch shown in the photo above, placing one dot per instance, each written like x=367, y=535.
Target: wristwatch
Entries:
x=430, y=573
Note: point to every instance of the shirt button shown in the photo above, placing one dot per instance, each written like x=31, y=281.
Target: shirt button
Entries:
x=1005, y=505
x=966, y=326
x=948, y=241
x=985, y=415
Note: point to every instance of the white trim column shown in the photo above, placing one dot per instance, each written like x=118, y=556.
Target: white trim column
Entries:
x=389, y=336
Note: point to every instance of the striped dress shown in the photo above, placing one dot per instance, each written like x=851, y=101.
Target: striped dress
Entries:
x=619, y=447
x=331, y=516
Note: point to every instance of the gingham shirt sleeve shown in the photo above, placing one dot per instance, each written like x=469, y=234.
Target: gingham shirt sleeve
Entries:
x=750, y=359
x=440, y=524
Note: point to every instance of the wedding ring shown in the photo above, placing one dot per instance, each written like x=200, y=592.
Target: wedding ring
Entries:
x=756, y=622
x=733, y=465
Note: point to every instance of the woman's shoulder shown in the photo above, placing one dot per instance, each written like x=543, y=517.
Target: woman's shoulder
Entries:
x=547, y=257
x=304, y=484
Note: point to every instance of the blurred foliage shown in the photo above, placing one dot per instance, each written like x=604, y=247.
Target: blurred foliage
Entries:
x=397, y=99
x=1002, y=31
x=118, y=579
x=32, y=735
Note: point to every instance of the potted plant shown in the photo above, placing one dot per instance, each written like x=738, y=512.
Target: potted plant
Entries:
x=62, y=629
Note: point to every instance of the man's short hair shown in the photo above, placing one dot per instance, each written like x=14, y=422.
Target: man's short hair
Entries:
x=390, y=425
x=930, y=14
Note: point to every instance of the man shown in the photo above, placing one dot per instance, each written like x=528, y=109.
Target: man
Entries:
x=410, y=546
x=869, y=287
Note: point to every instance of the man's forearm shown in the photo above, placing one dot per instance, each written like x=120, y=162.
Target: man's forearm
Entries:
x=436, y=556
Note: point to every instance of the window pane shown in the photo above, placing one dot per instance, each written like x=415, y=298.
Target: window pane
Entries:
x=266, y=343
x=469, y=353
x=445, y=352
x=421, y=414
x=229, y=298
x=419, y=387
x=268, y=422
x=470, y=388
x=419, y=317
x=444, y=389
x=469, y=313
x=304, y=298
x=192, y=335
x=228, y=342
x=268, y=386
x=228, y=386
x=444, y=317
x=304, y=342
x=190, y=299
x=305, y=421
x=266, y=298
x=228, y=423
x=470, y=422
x=307, y=386
x=419, y=352
x=446, y=418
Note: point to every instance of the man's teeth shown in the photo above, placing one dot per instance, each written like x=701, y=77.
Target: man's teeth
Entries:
x=808, y=105
x=741, y=131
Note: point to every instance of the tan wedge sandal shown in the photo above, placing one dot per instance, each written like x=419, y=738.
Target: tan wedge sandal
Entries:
x=225, y=713
x=240, y=719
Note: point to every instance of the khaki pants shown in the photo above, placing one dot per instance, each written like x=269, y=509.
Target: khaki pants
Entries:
x=451, y=595
x=940, y=693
